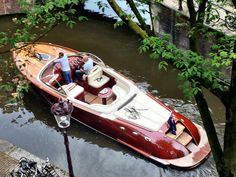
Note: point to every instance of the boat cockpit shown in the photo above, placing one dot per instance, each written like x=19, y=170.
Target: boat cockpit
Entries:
x=101, y=88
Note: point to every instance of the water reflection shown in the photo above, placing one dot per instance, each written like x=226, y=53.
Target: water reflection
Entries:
x=92, y=153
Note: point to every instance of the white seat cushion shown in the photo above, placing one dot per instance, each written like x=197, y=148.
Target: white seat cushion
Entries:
x=96, y=78
x=72, y=90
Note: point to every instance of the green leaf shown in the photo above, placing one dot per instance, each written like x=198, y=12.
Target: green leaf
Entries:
x=81, y=18
x=6, y=87
x=232, y=56
x=118, y=24
x=70, y=23
x=163, y=65
x=167, y=55
x=223, y=54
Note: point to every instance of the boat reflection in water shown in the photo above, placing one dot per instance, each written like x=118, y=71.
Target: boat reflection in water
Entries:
x=108, y=102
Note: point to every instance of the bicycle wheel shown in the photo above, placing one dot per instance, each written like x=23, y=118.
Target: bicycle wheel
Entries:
x=49, y=173
x=16, y=174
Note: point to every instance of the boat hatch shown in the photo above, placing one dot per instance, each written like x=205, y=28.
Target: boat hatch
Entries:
x=43, y=56
x=144, y=112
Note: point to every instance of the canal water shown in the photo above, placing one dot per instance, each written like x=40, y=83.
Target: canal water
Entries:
x=30, y=125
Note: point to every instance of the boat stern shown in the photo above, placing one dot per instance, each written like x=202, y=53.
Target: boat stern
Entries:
x=196, y=153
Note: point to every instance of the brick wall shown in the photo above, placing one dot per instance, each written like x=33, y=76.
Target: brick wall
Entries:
x=9, y=7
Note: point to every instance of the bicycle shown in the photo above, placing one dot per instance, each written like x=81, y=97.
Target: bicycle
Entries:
x=48, y=169
x=29, y=168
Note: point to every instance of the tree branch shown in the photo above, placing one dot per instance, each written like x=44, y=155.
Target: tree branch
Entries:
x=234, y=2
x=138, y=15
x=125, y=18
x=221, y=94
x=201, y=11
x=192, y=11
x=38, y=38
x=211, y=132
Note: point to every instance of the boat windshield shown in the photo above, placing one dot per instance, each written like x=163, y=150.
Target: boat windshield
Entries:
x=50, y=76
x=96, y=59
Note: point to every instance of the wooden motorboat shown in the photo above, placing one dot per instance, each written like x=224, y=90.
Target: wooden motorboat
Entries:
x=110, y=103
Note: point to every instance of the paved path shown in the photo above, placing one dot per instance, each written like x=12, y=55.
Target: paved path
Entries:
x=10, y=155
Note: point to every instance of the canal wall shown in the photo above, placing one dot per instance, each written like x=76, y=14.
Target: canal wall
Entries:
x=175, y=23
x=167, y=23
x=9, y=7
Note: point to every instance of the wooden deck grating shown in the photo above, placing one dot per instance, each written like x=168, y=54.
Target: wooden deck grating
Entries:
x=179, y=130
x=94, y=99
x=184, y=138
x=90, y=98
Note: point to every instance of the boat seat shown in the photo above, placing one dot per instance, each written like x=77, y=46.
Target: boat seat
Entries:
x=124, y=94
x=73, y=90
x=95, y=78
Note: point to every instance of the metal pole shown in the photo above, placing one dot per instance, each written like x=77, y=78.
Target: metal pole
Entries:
x=66, y=142
x=62, y=111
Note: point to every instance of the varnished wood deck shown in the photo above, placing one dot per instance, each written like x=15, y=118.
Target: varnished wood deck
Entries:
x=94, y=99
